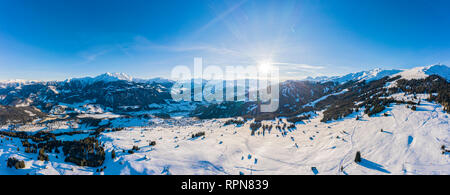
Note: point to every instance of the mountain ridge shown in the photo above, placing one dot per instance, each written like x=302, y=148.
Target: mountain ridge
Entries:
x=367, y=75
x=378, y=73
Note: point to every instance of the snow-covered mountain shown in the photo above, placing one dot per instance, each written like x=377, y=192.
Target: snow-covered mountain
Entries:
x=375, y=74
x=16, y=83
x=112, y=77
x=106, y=77
x=370, y=75
x=367, y=76
x=319, y=78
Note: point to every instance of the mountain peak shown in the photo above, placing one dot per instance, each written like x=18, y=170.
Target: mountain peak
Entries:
x=108, y=77
x=105, y=77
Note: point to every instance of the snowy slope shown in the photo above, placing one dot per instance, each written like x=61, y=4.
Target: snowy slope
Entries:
x=409, y=144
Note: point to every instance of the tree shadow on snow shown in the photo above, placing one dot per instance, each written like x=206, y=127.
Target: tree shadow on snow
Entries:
x=422, y=109
x=372, y=165
x=387, y=110
x=410, y=140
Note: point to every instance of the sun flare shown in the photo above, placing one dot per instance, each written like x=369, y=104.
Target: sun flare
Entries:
x=265, y=67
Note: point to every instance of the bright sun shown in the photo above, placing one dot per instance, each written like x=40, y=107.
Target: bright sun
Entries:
x=265, y=67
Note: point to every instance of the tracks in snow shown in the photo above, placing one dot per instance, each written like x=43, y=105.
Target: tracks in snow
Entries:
x=351, y=149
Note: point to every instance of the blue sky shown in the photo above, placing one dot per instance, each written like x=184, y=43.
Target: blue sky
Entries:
x=54, y=39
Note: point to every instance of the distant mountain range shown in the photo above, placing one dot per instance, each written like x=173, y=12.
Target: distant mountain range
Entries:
x=118, y=92
x=370, y=75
